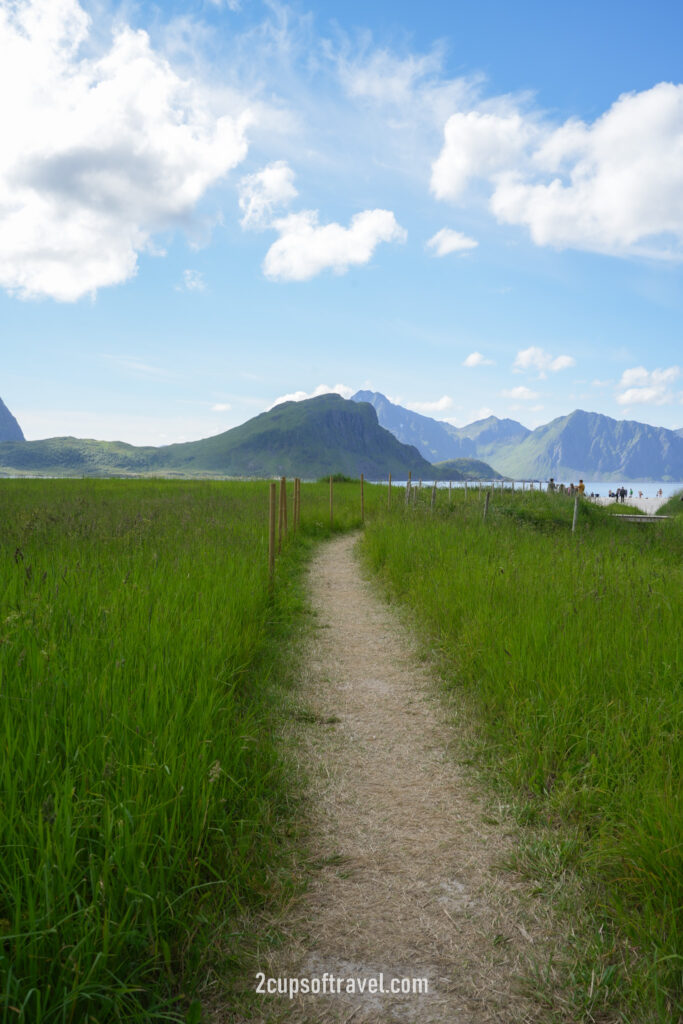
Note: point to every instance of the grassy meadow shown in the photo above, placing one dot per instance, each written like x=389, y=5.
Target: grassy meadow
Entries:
x=144, y=797
x=570, y=647
x=147, y=801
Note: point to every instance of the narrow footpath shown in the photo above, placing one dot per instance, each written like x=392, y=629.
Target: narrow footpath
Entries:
x=406, y=850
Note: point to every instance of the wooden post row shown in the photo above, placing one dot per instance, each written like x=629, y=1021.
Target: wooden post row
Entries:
x=362, y=500
x=271, y=532
x=486, y=503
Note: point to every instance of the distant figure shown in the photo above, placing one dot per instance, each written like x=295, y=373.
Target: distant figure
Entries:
x=581, y=488
x=640, y=494
x=562, y=488
x=551, y=485
x=630, y=492
x=623, y=495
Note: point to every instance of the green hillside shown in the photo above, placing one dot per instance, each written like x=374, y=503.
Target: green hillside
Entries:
x=466, y=469
x=309, y=439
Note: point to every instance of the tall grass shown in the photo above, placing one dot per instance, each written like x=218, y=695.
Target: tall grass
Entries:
x=571, y=646
x=142, y=789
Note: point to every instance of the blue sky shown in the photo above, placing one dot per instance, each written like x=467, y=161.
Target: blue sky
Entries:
x=208, y=206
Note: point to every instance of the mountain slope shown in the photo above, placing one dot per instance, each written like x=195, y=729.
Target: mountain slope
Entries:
x=436, y=441
x=314, y=438
x=9, y=428
x=595, y=446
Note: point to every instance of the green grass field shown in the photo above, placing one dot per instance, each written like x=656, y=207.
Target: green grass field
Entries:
x=146, y=800
x=143, y=794
x=570, y=646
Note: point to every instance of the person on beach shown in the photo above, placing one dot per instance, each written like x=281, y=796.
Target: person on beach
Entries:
x=551, y=485
x=581, y=488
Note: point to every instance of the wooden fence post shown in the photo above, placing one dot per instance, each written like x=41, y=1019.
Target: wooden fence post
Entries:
x=486, y=503
x=389, y=493
x=295, y=505
x=331, y=501
x=282, y=517
x=362, y=500
x=408, y=482
x=576, y=513
x=271, y=533
x=434, y=496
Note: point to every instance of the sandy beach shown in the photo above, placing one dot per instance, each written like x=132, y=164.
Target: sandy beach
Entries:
x=644, y=504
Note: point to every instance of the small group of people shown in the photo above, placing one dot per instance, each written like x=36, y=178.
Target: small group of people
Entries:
x=621, y=492
x=569, y=489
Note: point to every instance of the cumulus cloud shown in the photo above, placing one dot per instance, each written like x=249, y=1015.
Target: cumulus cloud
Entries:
x=221, y=407
x=193, y=281
x=477, y=359
x=478, y=145
x=613, y=186
x=427, y=408
x=261, y=192
x=101, y=148
x=520, y=394
x=322, y=389
x=305, y=248
x=536, y=359
x=447, y=241
x=639, y=386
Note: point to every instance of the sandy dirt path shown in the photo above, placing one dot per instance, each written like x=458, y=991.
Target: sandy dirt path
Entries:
x=405, y=848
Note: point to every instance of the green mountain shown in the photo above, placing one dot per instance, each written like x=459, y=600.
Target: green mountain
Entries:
x=314, y=438
x=490, y=434
x=308, y=439
x=9, y=428
x=466, y=469
x=594, y=446
x=583, y=444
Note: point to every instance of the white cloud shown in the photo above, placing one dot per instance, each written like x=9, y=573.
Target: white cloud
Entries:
x=638, y=386
x=477, y=359
x=193, y=281
x=101, y=148
x=306, y=248
x=221, y=407
x=447, y=241
x=322, y=389
x=478, y=145
x=614, y=186
x=261, y=192
x=536, y=359
x=427, y=408
x=232, y=5
x=520, y=394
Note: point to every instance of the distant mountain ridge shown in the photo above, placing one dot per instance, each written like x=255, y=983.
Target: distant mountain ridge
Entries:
x=9, y=427
x=310, y=439
x=584, y=444
x=437, y=440
x=373, y=436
